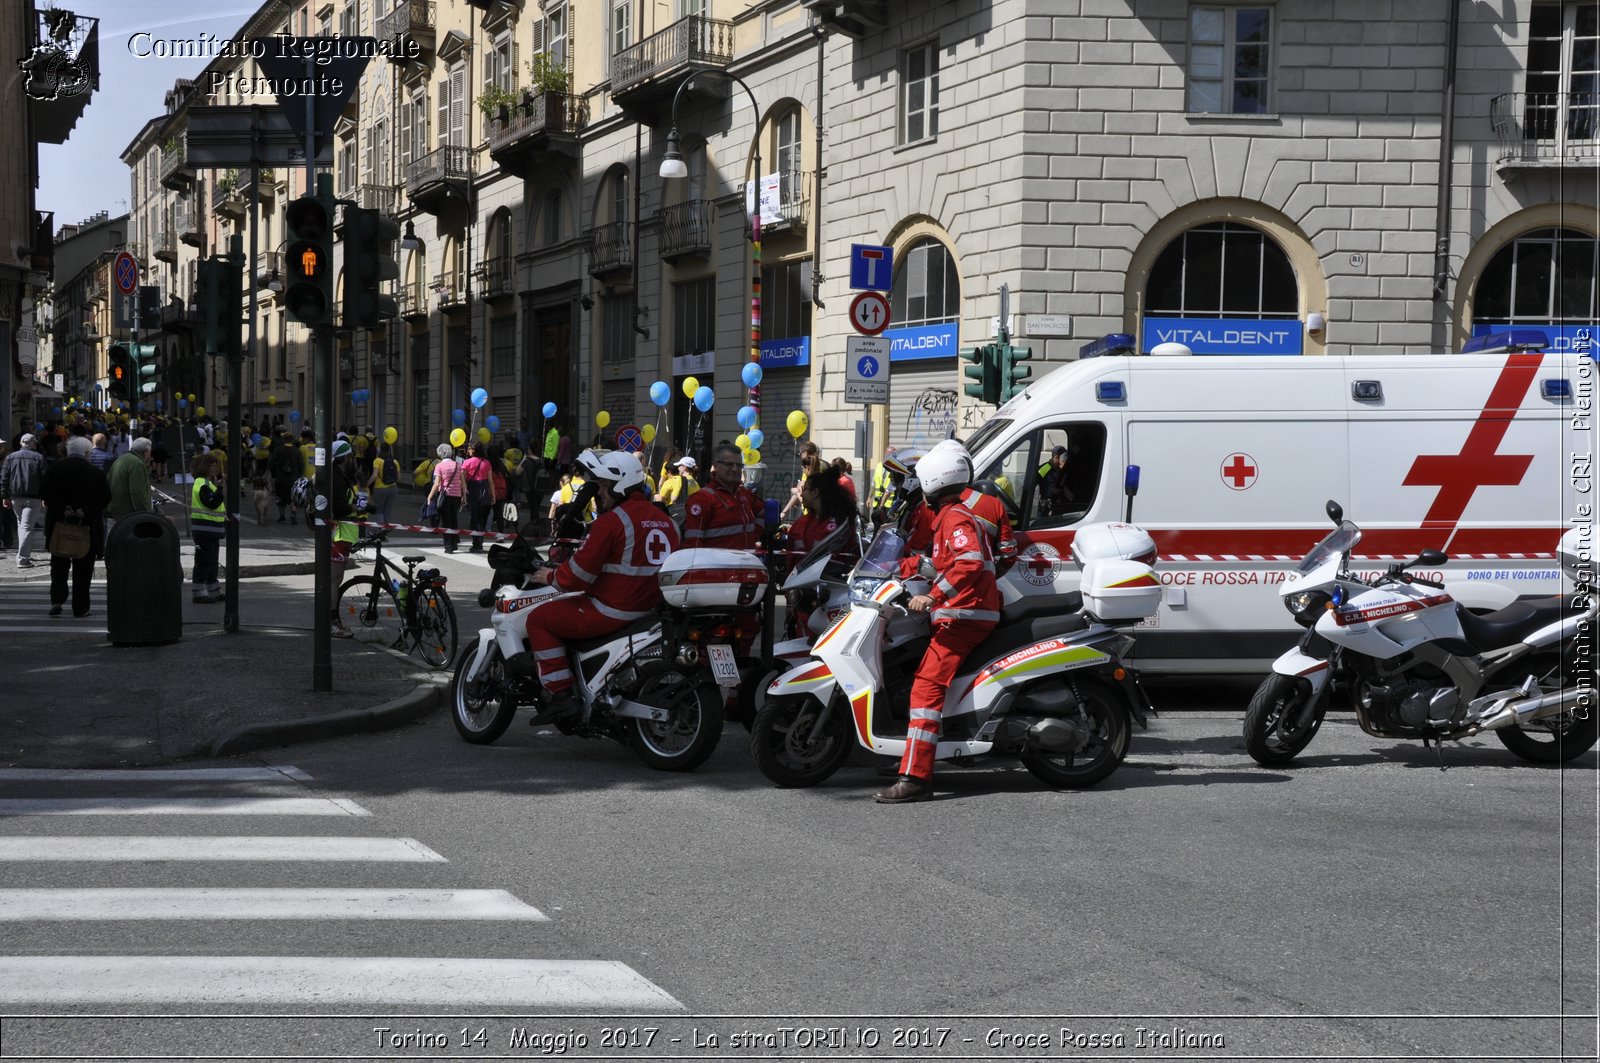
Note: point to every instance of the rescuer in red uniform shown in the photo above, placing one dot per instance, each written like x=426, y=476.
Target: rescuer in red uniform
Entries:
x=989, y=511
x=963, y=605
x=610, y=581
x=724, y=513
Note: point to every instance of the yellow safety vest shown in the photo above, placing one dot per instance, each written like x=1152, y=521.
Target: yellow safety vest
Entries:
x=199, y=513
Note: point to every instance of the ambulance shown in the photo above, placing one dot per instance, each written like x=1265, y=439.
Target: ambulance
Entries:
x=1485, y=456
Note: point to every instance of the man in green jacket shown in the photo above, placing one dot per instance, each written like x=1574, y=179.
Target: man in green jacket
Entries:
x=130, y=482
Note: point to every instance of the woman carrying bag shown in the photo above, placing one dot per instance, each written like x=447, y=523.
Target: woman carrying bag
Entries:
x=446, y=495
x=75, y=495
x=480, y=494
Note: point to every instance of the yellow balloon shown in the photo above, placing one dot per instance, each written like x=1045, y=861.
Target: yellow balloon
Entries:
x=484, y=435
x=741, y=441
x=752, y=457
x=272, y=400
x=191, y=396
x=797, y=423
x=457, y=437
x=199, y=411
x=690, y=386
x=602, y=419
x=390, y=435
x=648, y=433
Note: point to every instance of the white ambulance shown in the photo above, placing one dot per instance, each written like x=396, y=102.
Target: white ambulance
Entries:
x=1484, y=456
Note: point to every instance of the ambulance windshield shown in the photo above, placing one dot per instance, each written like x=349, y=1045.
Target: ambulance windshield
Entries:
x=1339, y=541
x=990, y=430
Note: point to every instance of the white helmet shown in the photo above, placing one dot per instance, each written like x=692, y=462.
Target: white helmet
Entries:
x=617, y=467
x=946, y=466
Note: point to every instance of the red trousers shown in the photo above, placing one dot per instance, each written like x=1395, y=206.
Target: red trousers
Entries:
x=951, y=644
x=551, y=622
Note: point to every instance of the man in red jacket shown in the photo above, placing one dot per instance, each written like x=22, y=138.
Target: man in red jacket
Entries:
x=725, y=513
x=610, y=581
x=964, y=606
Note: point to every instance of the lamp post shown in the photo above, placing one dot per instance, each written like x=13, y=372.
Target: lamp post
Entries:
x=674, y=168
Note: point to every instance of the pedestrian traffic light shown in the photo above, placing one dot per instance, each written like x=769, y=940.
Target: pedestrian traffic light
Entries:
x=369, y=239
x=218, y=291
x=985, y=370
x=119, y=373
x=308, y=295
x=1014, y=377
x=145, y=369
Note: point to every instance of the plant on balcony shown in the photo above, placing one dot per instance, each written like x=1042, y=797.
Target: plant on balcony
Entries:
x=496, y=102
x=170, y=145
x=546, y=75
x=227, y=182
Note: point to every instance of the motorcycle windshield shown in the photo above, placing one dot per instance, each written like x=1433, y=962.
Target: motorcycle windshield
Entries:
x=882, y=559
x=809, y=569
x=1336, y=543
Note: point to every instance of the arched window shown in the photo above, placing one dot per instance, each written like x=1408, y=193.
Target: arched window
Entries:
x=927, y=290
x=1545, y=277
x=1222, y=269
x=497, y=262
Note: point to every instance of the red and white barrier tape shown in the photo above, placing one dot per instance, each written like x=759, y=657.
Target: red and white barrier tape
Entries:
x=423, y=528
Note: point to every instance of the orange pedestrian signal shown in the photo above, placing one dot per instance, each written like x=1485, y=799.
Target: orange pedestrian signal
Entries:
x=308, y=262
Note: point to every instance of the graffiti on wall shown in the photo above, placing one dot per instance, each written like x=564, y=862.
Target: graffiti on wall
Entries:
x=932, y=417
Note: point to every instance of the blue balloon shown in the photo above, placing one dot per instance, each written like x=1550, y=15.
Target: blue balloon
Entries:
x=751, y=374
x=660, y=393
x=459, y=417
x=294, y=416
x=746, y=416
x=182, y=402
x=255, y=439
x=704, y=398
x=756, y=438
x=492, y=423
x=549, y=409
x=38, y=426
x=479, y=397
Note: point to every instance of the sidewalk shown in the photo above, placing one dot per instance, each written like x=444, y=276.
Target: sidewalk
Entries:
x=92, y=704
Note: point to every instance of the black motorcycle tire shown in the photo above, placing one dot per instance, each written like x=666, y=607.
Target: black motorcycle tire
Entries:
x=752, y=693
x=1277, y=697
x=683, y=742
x=484, y=717
x=1108, y=710
x=786, y=765
x=1559, y=738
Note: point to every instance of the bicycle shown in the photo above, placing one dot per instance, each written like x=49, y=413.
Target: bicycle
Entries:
x=404, y=611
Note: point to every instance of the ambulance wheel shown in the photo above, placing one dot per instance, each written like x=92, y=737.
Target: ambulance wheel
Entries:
x=1105, y=714
x=693, y=727
x=798, y=741
x=482, y=710
x=1554, y=739
x=1271, y=735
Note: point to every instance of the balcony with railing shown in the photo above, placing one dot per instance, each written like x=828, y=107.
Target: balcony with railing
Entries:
x=227, y=201
x=412, y=301
x=94, y=291
x=62, y=69
x=610, y=249
x=496, y=279
x=430, y=179
x=521, y=137
x=1547, y=129
x=175, y=172
x=165, y=246
x=413, y=19
x=266, y=185
x=685, y=229
x=186, y=213
x=385, y=199
x=450, y=289
x=644, y=77
x=269, y=268
x=793, y=208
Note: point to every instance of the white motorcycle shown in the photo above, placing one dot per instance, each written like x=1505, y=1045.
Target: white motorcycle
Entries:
x=1417, y=665
x=1051, y=684
x=652, y=685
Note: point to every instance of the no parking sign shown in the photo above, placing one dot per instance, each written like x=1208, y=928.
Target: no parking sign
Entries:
x=629, y=438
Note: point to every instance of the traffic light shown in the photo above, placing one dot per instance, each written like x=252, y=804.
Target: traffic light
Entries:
x=1014, y=377
x=369, y=239
x=145, y=369
x=218, y=290
x=308, y=295
x=120, y=373
x=985, y=370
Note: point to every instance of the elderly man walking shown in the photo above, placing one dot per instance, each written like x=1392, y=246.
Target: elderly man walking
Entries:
x=21, y=479
x=130, y=482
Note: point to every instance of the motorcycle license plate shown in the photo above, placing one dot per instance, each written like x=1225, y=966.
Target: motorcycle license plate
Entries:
x=724, y=666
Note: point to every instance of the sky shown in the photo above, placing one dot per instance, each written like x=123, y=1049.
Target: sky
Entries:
x=86, y=174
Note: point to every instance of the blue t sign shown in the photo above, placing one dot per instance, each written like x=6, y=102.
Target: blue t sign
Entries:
x=871, y=267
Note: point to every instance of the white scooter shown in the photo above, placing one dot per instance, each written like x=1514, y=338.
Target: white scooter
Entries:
x=1050, y=685
x=1417, y=665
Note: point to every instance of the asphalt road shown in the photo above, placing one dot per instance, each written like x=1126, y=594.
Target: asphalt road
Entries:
x=1362, y=903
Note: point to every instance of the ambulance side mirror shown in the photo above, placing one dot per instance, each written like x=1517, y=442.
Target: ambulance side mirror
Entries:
x=1335, y=511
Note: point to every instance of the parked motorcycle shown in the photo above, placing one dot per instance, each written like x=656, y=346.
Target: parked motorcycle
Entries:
x=1051, y=684
x=1416, y=664
x=647, y=685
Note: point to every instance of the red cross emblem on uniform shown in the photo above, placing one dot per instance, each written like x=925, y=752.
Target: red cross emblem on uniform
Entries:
x=1239, y=471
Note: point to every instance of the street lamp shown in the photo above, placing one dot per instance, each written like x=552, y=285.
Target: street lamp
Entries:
x=674, y=168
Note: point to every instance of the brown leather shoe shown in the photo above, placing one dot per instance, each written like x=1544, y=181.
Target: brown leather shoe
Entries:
x=906, y=790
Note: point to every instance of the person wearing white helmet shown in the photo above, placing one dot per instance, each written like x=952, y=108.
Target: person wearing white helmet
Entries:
x=984, y=501
x=610, y=581
x=963, y=605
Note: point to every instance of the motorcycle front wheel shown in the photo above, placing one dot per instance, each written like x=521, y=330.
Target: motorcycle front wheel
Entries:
x=1275, y=727
x=482, y=709
x=1106, y=714
x=799, y=741
x=690, y=733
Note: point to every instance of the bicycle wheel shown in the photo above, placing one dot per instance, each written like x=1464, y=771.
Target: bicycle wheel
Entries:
x=434, y=627
x=368, y=608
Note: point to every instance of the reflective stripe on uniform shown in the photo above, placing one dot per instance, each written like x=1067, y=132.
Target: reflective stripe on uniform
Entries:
x=578, y=572
x=616, y=614
x=989, y=615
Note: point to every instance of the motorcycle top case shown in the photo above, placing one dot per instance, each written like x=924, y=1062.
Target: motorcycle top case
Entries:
x=712, y=578
x=1105, y=540
x=1120, y=591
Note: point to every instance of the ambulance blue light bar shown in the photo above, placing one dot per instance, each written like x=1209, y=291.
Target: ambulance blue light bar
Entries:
x=1518, y=339
x=1112, y=344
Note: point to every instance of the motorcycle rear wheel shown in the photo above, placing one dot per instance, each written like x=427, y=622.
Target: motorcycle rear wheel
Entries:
x=481, y=710
x=798, y=741
x=691, y=732
x=1278, y=698
x=1555, y=739
x=1107, y=714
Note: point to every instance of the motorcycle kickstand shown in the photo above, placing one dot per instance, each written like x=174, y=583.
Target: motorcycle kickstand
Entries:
x=1438, y=751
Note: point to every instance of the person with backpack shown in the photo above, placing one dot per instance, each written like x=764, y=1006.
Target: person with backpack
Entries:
x=22, y=492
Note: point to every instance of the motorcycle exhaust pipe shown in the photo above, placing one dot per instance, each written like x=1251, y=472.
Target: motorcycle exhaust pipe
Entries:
x=1519, y=711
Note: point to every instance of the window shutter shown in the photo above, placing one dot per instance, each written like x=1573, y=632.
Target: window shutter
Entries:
x=458, y=105
x=514, y=79
x=407, y=132
x=538, y=36
x=444, y=113
x=369, y=135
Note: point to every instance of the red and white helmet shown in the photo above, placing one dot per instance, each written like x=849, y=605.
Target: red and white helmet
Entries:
x=616, y=467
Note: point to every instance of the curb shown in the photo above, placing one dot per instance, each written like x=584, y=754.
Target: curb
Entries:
x=286, y=568
x=402, y=710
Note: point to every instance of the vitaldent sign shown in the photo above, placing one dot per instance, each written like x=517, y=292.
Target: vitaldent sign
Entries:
x=1578, y=338
x=1227, y=335
x=927, y=341
x=784, y=354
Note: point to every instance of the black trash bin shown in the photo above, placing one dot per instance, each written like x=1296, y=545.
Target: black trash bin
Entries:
x=144, y=580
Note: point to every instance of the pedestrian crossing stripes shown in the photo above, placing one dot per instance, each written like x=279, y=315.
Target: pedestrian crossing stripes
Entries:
x=79, y=977
x=25, y=610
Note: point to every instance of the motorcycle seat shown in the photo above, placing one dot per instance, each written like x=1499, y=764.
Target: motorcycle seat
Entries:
x=1041, y=606
x=637, y=627
x=1512, y=624
x=1014, y=635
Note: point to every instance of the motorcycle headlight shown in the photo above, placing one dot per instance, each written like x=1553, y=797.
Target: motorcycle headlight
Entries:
x=862, y=590
x=1307, y=606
